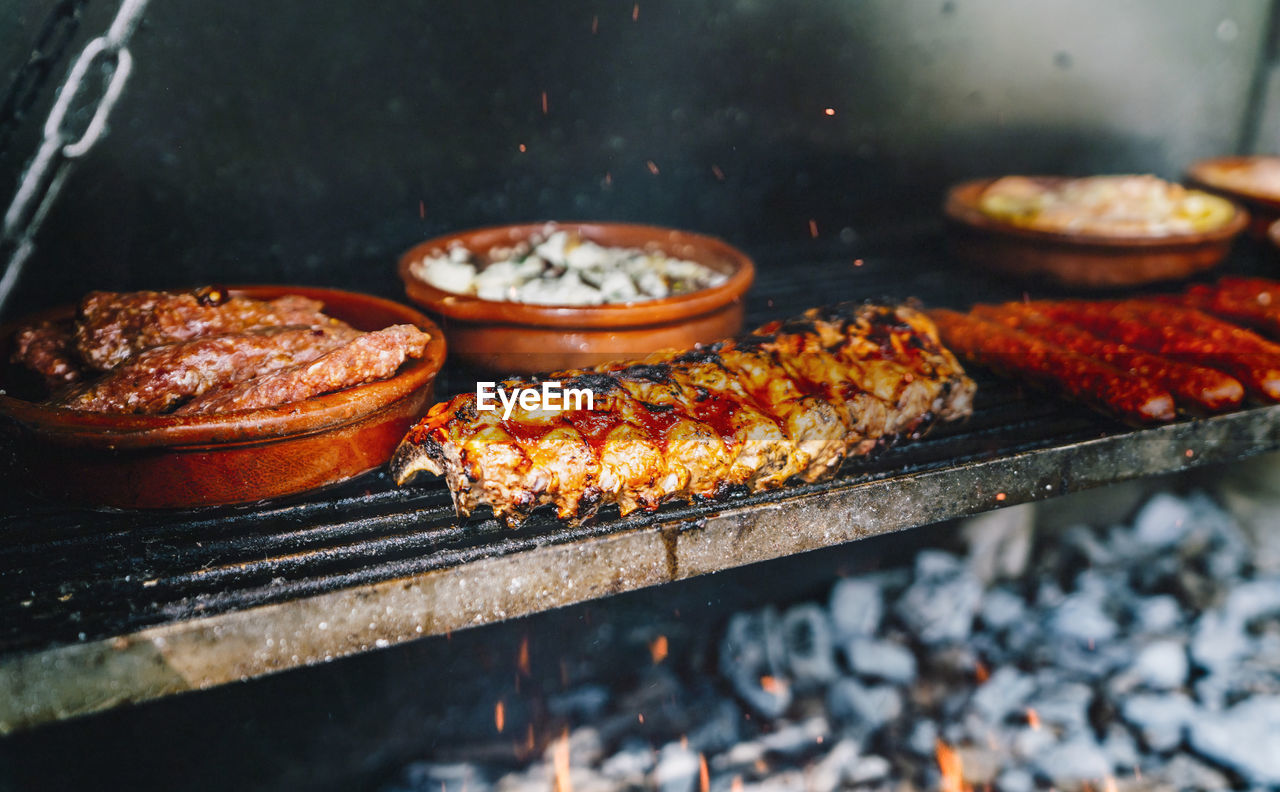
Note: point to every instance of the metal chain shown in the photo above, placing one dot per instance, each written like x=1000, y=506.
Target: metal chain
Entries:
x=58, y=30
x=62, y=144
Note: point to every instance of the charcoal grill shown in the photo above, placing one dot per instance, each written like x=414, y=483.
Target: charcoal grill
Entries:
x=100, y=609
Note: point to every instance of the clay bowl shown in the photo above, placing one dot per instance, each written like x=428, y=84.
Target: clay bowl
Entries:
x=164, y=461
x=1222, y=175
x=511, y=337
x=1079, y=260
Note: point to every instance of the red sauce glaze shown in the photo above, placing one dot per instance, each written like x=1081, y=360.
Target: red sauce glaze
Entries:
x=593, y=425
x=527, y=433
x=657, y=423
x=717, y=412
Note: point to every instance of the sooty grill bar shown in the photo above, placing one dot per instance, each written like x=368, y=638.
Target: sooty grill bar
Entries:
x=101, y=609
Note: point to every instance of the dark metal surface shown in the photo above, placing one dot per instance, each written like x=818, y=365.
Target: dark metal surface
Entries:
x=98, y=608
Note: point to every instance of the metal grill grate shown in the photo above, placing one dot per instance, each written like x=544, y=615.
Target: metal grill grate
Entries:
x=72, y=576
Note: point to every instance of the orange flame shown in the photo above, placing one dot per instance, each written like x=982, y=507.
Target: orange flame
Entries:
x=1033, y=719
x=704, y=775
x=952, y=768
x=658, y=648
x=980, y=672
x=499, y=716
x=560, y=763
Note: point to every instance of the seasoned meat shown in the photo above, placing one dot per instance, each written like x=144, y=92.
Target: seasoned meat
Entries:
x=112, y=326
x=1134, y=398
x=791, y=400
x=368, y=357
x=157, y=379
x=1197, y=387
x=48, y=348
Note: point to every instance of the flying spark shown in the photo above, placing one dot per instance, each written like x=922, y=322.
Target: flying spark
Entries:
x=653, y=167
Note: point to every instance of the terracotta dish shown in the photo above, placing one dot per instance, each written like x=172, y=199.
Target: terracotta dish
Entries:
x=168, y=461
x=1079, y=260
x=1231, y=178
x=513, y=337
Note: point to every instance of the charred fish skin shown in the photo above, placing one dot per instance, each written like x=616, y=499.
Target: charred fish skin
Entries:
x=792, y=400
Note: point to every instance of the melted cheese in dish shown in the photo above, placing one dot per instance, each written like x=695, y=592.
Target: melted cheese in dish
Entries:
x=1125, y=206
x=1259, y=176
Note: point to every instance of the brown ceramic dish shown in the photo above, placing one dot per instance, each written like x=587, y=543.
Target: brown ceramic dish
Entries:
x=513, y=337
x=1220, y=176
x=1079, y=260
x=166, y=461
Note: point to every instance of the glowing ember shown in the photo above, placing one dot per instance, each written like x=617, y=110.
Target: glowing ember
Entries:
x=1000, y=496
x=652, y=166
x=704, y=775
x=858, y=262
x=952, y=768
x=422, y=209
x=635, y=12
x=1190, y=453
x=772, y=685
x=715, y=171
x=523, y=148
x=595, y=25
x=830, y=111
x=640, y=717
x=499, y=716
x=608, y=179
x=813, y=228
x=1033, y=719
x=560, y=764
x=980, y=672
x=544, y=102
x=658, y=648
x=522, y=659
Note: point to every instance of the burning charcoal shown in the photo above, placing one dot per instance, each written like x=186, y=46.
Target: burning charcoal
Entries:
x=430, y=777
x=1163, y=521
x=866, y=708
x=1158, y=614
x=1121, y=748
x=923, y=739
x=940, y=605
x=856, y=606
x=1029, y=743
x=676, y=770
x=999, y=542
x=1015, y=780
x=1159, y=719
x=1183, y=772
x=1001, y=609
x=810, y=654
x=631, y=764
x=751, y=657
x=1064, y=705
x=869, y=769
x=1080, y=617
x=1162, y=665
x=1244, y=739
x=838, y=767
x=1076, y=759
x=720, y=731
x=878, y=659
x=797, y=739
x=1005, y=691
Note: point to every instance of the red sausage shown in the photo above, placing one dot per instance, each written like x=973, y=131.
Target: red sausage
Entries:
x=1194, y=386
x=1184, y=334
x=1133, y=398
